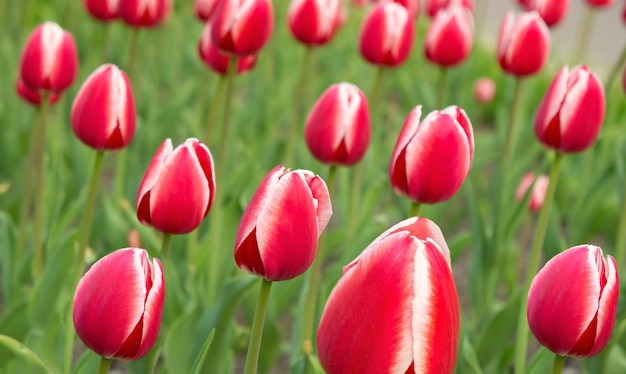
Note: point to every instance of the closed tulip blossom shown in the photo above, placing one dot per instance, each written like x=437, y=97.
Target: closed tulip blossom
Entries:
x=242, y=27
x=337, y=130
x=484, y=90
x=103, y=10
x=450, y=36
x=571, y=113
x=434, y=6
x=103, y=112
x=600, y=3
x=395, y=309
x=538, y=193
x=552, y=11
x=387, y=34
x=177, y=191
x=217, y=60
x=278, y=233
x=314, y=22
x=523, y=44
x=204, y=9
x=432, y=158
x=572, y=302
x=144, y=13
x=33, y=96
x=118, y=304
x=49, y=60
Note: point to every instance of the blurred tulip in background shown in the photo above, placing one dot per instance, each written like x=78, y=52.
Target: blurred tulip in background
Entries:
x=484, y=90
x=538, y=193
x=242, y=27
x=217, y=60
x=434, y=6
x=523, y=43
x=314, y=22
x=551, y=11
x=144, y=13
x=450, y=36
x=204, y=9
x=103, y=10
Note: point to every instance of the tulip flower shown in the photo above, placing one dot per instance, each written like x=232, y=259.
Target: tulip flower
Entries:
x=218, y=61
x=432, y=158
x=484, y=90
x=434, y=6
x=338, y=127
x=538, y=193
x=387, y=34
x=144, y=13
x=49, y=61
x=242, y=27
x=523, y=44
x=395, y=309
x=204, y=9
x=551, y=11
x=600, y=3
x=314, y=22
x=277, y=236
x=177, y=191
x=33, y=96
x=571, y=113
x=118, y=303
x=450, y=36
x=103, y=10
x=103, y=113
x=572, y=302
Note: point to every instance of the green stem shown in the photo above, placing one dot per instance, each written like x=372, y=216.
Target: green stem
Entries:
x=213, y=109
x=415, y=208
x=297, y=103
x=620, y=242
x=559, y=362
x=521, y=345
x=310, y=303
x=617, y=68
x=105, y=364
x=39, y=187
x=442, y=87
x=230, y=78
x=585, y=34
x=165, y=245
x=105, y=41
x=378, y=78
x=254, y=346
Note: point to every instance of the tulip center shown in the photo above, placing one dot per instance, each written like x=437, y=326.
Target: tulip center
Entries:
x=586, y=341
x=248, y=257
x=553, y=132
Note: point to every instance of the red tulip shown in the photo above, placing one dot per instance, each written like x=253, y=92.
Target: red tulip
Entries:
x=277, y=235
x=242, y=27
x=217, y=60
x=118, y=303
x=144, y=13
x=484, y=90
x=103, y=113
x=450, y=36
x=600, y=3
x=552, y=11
x=103, y=10
x=33, y=96
x=314, y=22
x=395, y=309
x=177, y=191
x=338, y=127
x=204, y=9
x=434, y=6
x=49, y=61
x=538, y=193
x=572, y=302
x=431, y=159
x=572, y=111
x=523, y=43
x=387, y=34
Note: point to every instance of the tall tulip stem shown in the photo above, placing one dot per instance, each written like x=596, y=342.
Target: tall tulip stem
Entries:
x=213, y=109
x=310, y=303
x=443, y=82
x=40, y=155
x=620, y=242
x=535, y=255
x=415, y=208
x=557, y=366
x=297, y=103
x=585, y=34
x=254, y=346
x=619, y=64
x=165, y=245
x=105, y=364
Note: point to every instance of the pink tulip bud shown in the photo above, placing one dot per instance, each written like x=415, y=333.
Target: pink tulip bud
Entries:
x=600, y=3
x=277, y=235
x=484, y=90
x=242, y=27
x=144, y=13
x=387, y=34
x=523, y=43
x=118, y=303
x=552, y=11
x=218, y=61
x=432, y=158
x=395, y=309
x=49, y=61
x=314, y=22
x=103, y=113
x=103, y=10
x=572, y=111
x=572, y=302
x=434, y=6
x=338, y=127
x=177, y=191
x=204, y=9
x=413, y=6
x=450, y=36
x=538, y=193
x=33, y=96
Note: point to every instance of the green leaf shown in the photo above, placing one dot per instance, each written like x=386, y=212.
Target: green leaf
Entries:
x=88, y=363
x=496, y=333
x=197, y=365
x=23, y=351
x=470, y=357
x=307, y=365
x=541, y=362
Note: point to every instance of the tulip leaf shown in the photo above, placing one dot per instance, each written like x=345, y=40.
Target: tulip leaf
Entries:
x=308, y=364
x=496, y=333
x=88, y=363
x=541, y=362
x=616, y=360
x=14, y=324
x=23, y=351
x=197, y=365
x=470, y=357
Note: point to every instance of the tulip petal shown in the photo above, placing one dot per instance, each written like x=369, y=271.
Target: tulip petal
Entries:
x=607, y=306
x=324, y=210
x=153, y=308
x=150, y=178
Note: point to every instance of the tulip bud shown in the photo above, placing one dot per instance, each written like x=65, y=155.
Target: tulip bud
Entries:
x=33, y=96
x=103, y=113
x=434, y=6
x=600, y=3
x=242, y=27
x=49, y=61
x=395, y=309
x=118, y=303
x=431, y=159
x=277, y=235
x=484, y=90
x=103, y=10
x=538, y=193
x=572, y=302
x=314, y=22
x=218, y=61
x=177, y=191
x=412, y=6
x=204, y=9
x=523, y=44
x=144, y=13
x=551, y=11
x=338, y=127
x=450, y=36
x=387, y=34
x=571, y=113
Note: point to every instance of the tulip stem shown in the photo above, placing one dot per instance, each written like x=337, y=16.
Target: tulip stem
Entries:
x=210, y=123
x=254, y=346
x=559, y=362
x=443, y=81
x=585, y=34
x=535, y=255
x=105, y=364
x=165, y=245
x=297, y=103
x=620, y=241
x=415, y=208
x=310, y=303
x=39, y=187
x=615, y=71
x=91, y=197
